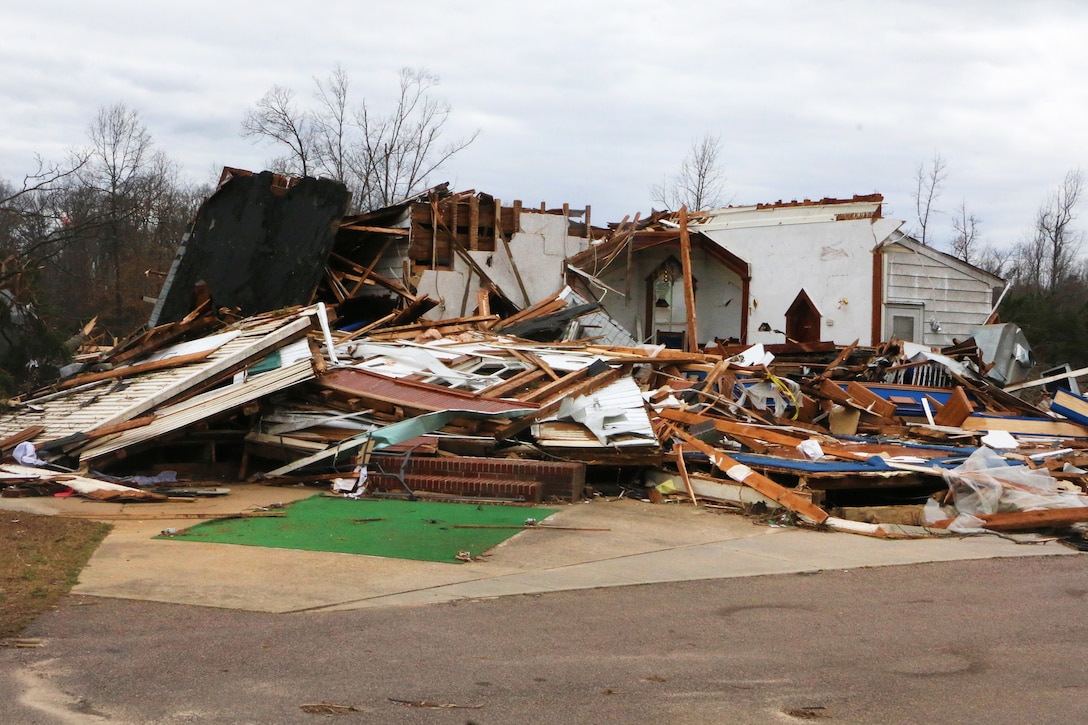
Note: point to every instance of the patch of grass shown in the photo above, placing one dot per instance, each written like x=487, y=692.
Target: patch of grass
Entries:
x=40, y=560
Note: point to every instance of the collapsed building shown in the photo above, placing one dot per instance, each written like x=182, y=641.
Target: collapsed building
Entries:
x=452, y=346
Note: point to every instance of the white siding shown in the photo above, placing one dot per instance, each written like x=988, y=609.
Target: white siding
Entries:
x=953, y=299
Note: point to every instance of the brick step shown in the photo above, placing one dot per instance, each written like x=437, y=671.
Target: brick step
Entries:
x=555, y=479
x=472, y=485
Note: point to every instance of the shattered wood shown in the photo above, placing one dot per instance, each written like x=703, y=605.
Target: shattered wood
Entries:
x=519, y=393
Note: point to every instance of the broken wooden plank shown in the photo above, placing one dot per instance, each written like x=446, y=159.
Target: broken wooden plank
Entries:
x=26, y=434
x=955, y=410
x=1025, y=426
x=1027, y=520
x=682, y=467
x=137, y=369
x=870, y=401
x=743, y=474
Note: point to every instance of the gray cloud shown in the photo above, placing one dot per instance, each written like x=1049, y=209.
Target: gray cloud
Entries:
x=594, y=102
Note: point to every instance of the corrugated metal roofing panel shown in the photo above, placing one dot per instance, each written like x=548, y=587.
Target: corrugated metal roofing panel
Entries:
x=204, y=406
x=112, y=401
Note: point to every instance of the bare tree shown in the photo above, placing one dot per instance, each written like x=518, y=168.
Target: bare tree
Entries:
x=331, y=124
x=700, y=181
x=998, y=261
x=398, y=151
x=119, y=202
x=382, y=158
x=1052, y=227
x=278, y=119
x=1047, y=259
x=966, y=242
x=33, y=226
x=929, y=182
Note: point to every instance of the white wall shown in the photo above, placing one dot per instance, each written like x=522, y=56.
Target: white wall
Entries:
x=957, y=300
x=718, y=296
x=539, y=250
x=831, y=260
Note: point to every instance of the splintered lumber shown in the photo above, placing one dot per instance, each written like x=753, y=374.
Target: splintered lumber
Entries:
x=395, y=231
x=839, y=359
x=872, y=402
x=507, y=387
x=1027, y=520
x=548, y=391
x=513, y=264
x=856, y=396
x=1073, y=407
x=137, y=369
x=542, y=308
x=755, y=433
x=415, y=309
x=743, y=474
x=683, y=469
x=26, y=434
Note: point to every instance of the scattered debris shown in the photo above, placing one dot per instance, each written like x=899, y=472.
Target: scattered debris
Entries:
x=430, y=355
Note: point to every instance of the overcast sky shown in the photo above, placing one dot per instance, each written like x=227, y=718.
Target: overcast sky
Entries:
x=592, y=102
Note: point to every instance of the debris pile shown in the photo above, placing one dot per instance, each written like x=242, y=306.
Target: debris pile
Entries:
x=374, y=386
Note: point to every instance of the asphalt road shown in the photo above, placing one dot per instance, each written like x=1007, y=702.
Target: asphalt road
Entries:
x=994, y=641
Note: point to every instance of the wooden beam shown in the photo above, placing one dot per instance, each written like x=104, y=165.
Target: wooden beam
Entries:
x=474, y=223
x=137, y=369
x=370, y=268
x=1027, y=520
x=513, y=264
x=377, y=230
x=743, y=474
x=682, y=467
x=689, y=284
x=1026, y=426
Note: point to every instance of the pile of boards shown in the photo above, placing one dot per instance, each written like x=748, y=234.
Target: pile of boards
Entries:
x=842, y=436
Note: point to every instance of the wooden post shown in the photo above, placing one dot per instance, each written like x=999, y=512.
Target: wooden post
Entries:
x=683, y=468
x=473, y=222
x=689, y=285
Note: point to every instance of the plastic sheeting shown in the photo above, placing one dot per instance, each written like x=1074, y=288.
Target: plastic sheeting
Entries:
x=987, y=484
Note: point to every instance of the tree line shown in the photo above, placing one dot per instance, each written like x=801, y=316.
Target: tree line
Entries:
x=1046, y=272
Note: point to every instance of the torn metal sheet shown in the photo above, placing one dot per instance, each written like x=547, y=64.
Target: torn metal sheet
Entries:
x=615, y=415
x=342, y=455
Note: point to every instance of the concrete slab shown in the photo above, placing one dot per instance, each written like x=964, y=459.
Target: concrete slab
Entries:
x=638, y=543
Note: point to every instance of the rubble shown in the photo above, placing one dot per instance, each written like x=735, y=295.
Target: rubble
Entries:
x=372, y=375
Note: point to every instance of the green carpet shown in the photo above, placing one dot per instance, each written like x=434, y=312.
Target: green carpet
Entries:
x=421, y=530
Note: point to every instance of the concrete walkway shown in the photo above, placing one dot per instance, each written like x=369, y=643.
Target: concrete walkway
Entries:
x=644, y=543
